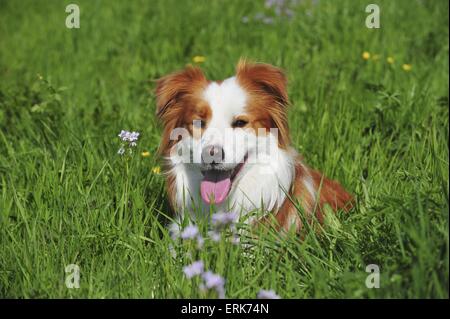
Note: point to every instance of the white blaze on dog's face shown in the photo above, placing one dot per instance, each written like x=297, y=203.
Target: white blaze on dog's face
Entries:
x=219, y=131
x=224, y=144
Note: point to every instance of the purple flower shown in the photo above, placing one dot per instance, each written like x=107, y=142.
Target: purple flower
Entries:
x=214, y=235
x=123, y=135
x=289, y=13
x=174, y=231
x=190, y=232
x=194, y=269
x=220, y=220
x=267, y=20
x=235, y=240
x=129, y=140
x=213, y=281
x=276, y=3
x=259, y=16
x=267, y=294
x=200, y=242
x=127, y=136
x=282, y=7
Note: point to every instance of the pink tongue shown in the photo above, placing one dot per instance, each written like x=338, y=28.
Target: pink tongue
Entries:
x=215, y=187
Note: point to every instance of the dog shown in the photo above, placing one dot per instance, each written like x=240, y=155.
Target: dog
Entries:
x=226, y=147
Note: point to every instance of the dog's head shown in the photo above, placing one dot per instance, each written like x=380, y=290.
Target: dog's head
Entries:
x=218, y=127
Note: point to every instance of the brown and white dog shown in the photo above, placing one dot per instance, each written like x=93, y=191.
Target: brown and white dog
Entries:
x=226, y=144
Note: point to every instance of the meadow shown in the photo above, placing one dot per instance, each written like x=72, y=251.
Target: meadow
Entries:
x=369, y=107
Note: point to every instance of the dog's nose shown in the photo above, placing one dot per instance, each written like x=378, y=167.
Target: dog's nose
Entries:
x=213, y=154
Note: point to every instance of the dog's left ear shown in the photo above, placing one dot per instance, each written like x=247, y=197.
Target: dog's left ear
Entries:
x=266, y=77
x=261, y=78
x=170, y=88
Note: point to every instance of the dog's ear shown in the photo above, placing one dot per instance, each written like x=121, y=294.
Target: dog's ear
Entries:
x=171, y=87
x=265, y=77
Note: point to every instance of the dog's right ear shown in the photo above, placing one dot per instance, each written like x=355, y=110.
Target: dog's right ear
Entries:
x=172, y=87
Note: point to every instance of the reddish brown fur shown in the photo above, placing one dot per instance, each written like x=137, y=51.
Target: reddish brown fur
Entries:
x=288, y=216
x=331, y=193
x=178, y=102
x=266, y=87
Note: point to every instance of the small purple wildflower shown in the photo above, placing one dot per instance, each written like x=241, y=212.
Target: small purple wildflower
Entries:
x=194, y=269
x=174, y=231
x=269, y=3
x=190, y=232
x=275, y=3
x=282, y=7
x=213, y=281
x=259, y=16
x=267, y=294
x=267, y=20
x=289, y=13
x=220, y=220
x=214, y=235
x=127, y=136
x=129, y=140
x=235, y=240
x=200, y=242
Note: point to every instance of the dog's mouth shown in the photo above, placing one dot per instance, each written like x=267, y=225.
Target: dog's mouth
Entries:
x=216, y=184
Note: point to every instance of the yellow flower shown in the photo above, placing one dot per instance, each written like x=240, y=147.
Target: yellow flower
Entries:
x=407, y=67
x=156, y=170
x=145, y=154
x=390, y=60
x=366, y=55
x=198, y=59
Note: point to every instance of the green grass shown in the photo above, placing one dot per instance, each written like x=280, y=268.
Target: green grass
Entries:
x=67, y=197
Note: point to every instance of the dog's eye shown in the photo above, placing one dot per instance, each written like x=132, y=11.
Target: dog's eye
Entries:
x=239, y=123
x=198, y=123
